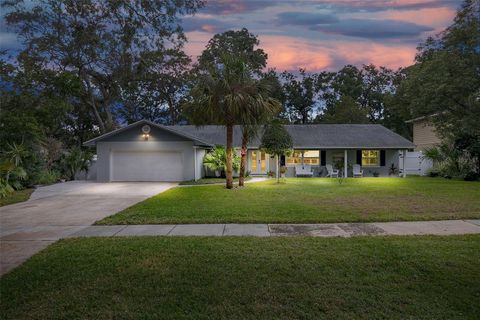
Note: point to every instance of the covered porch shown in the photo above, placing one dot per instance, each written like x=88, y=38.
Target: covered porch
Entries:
x=373, y=162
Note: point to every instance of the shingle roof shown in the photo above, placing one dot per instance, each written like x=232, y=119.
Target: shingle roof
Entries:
x=321, y=136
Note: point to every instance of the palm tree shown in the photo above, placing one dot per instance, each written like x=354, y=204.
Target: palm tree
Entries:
x=226, y=94
x=262, y=108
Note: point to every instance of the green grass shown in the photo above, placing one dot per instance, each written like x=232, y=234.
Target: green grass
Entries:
x=248, y=278
x=310, y=200
x=15, y=197
x=208, y=181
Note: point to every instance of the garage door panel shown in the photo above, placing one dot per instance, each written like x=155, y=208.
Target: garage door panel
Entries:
x=147, y=166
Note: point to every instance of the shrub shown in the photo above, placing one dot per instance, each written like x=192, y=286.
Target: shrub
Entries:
x=433, y=173
x=46, y=177
x=216, y=160
x=471, y=176
x=75, y=160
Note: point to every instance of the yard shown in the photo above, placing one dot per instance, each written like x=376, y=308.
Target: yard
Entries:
x=16, y=196
x=310, y=200
x=248, y=278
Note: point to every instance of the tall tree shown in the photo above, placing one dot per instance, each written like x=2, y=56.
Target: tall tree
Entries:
x=301, y=96
x=100, y=41
x=346, y=110
x=445, y=81
x=241, y=43
x=159, y=89
x=226, y=94
x=262, y=109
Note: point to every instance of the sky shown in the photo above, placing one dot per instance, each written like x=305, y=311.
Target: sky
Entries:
x=325, y=34
x=317, y=35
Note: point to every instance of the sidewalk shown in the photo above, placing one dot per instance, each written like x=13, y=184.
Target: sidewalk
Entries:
x=446, y=227
x=17, y=246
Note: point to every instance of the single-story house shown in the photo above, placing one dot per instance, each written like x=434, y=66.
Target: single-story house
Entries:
x=146, y=151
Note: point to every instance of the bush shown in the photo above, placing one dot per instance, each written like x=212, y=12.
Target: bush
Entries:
x=5, y=188
x=433, y=173
x=471, y=176
x=46, y=177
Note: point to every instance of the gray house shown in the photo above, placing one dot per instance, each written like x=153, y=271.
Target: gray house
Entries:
x=145, y=151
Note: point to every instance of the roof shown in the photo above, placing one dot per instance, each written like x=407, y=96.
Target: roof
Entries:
x=93, y=141
x=310, y=136
x=318, y=136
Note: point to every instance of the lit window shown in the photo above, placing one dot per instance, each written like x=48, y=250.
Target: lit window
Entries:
x=370, y=158
x=310, y=157
x=294, y=158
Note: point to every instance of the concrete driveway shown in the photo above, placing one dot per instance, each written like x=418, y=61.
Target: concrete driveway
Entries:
x=59, y=210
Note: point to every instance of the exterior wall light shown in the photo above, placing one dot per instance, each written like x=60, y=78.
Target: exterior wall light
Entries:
x=146, y=132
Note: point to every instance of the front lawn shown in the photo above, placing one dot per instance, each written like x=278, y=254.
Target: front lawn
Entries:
x=248, y=278
x=16, y=196
x=208, y=181
x=310, y=200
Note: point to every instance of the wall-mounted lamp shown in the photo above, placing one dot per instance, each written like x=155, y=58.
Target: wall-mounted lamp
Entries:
x=146, y=132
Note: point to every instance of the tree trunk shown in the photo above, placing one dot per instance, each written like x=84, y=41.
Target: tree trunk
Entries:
x=277, y=168
x=229, y=156
x=243, y=160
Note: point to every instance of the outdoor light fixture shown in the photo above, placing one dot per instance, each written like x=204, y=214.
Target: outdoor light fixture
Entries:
x=146, y=131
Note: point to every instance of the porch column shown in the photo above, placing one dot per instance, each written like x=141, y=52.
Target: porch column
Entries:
x=195, y=163
x=404, y=173
x=345, y=166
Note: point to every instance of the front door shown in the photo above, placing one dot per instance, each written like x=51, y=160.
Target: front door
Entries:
x=258, y=162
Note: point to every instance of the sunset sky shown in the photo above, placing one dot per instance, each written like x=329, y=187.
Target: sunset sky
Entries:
x=325, y=34
x=317, y=34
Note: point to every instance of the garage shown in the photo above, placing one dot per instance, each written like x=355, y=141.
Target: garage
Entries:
x=146, y=166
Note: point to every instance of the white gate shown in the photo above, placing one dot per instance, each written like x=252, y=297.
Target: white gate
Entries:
x=415, y=163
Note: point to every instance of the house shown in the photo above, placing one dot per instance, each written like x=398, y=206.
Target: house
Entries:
x=145, y=151
x=424, y=135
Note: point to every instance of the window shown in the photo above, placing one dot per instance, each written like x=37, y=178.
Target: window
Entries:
x=310, y=157
x=371, y=158
x=294, y=158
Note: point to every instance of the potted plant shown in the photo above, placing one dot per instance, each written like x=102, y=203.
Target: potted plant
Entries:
x=392, y=170
x=283, y=171
x=270, y=174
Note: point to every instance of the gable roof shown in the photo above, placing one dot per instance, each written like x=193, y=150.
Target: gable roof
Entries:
x=93, y=141
x=318, y=136
x=309, y=136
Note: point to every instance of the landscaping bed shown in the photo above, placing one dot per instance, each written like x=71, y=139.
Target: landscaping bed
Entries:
x=16, y=196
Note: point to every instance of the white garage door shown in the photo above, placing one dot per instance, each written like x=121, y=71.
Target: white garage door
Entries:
x=147, y=166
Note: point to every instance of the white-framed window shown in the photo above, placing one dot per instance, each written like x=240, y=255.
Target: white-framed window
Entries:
x=370, y=158
x=310, y=157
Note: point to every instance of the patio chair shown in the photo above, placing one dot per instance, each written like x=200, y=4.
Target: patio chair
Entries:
x=332, y=173
x=303, y=171
x=357, y=171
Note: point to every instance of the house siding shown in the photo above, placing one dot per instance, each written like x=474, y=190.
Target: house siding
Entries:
x=424, y=135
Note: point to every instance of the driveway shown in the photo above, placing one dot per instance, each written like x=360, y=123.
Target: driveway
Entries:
x=59, y=210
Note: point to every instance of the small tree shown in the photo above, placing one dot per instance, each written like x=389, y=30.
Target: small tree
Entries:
x=276, y=141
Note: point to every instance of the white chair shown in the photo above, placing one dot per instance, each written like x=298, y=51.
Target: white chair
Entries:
x=357, y=171
x=332, y=173
x=303, y=171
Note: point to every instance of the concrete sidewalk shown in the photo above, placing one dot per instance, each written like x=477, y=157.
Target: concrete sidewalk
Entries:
x=16, y=247
x=446, y=227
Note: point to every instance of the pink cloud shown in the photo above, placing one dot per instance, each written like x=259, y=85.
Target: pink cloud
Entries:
x=286, y=53
x=436, y=18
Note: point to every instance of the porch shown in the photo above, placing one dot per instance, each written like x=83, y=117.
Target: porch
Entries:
x=373, y=162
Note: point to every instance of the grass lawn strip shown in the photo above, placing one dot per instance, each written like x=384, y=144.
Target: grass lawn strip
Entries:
x=310, y=200
x=16, y=197
x=248, y=278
